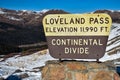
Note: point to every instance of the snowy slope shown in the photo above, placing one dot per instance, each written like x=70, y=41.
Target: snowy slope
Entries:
x=42, y=11
x=113, y=46
x=26, y=64
x=31, y=64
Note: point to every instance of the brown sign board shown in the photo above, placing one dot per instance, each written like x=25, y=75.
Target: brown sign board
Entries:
x=77, y=36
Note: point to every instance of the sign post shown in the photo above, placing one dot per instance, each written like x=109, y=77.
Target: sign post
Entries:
x=77, y=36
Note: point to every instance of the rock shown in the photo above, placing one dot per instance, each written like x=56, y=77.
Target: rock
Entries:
x=103, y=75
x=116, y=77
x=75, y=70
x=55, y=72
x=38, y=68
x=1, y=78
x=17, y=71
x=24, y=75
x=75, y=66
x=13, y=77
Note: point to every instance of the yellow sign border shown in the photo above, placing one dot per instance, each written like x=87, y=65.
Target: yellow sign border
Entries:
x=62, y=23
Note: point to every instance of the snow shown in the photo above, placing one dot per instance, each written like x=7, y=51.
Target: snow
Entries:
x=111, y=10
x=24, y=10
x=43, y=11
x=26, y=64
x=38, y=12
x=1, y=12
x=115, y=31
x=114, y=10
x=20, y=14
x=33, y=75
x=110, y=57
x=113, y=46
x=114, y=43
x=28, y=11
x=13, y=18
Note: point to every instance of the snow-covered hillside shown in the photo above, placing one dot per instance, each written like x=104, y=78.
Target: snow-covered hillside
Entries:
x=113, y=46
x=31, y=64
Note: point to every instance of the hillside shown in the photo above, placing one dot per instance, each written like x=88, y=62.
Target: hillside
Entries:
x=115, y=15
x=29, y=66
x=22, y=27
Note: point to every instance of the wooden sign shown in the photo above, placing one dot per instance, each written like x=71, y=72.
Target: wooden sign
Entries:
x=77, y=36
